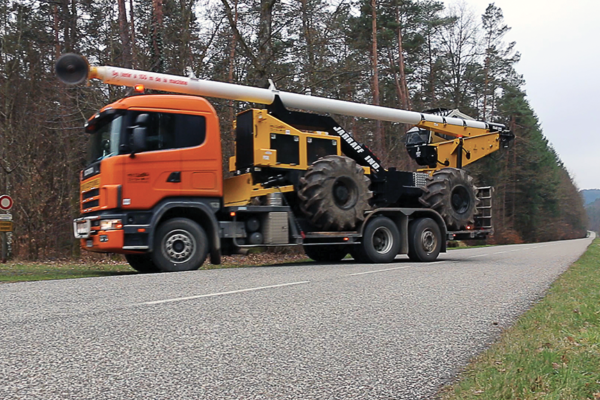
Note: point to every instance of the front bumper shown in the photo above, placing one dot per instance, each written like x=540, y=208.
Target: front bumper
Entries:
x=104, y=242
x=91, y=238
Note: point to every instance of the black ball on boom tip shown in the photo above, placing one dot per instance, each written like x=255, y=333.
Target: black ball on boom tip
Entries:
x=72, y=68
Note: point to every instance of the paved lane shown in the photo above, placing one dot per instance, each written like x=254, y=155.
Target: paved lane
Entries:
x=302, y=331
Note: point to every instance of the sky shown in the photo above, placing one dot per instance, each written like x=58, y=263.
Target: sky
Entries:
x=559, y=42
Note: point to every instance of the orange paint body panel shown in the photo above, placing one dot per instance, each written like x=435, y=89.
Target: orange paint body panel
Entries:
x=113, y=244
x=140, y=182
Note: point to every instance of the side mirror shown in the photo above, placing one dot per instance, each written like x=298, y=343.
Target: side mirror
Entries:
x=142, y=119
x=140, y=135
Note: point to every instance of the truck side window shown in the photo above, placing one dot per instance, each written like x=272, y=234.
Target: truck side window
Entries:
x=191, y=130
x=174, y=131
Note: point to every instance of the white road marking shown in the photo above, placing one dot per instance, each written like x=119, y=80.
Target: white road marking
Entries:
x=379, y=270
x=504, y=252
x=395, y=268
x=222, y=293
x=480, y=255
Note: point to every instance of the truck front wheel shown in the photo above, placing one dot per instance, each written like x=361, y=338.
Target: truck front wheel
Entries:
x=141, y=262
x=180, y=244
x=380, y=242
x=327, y=253
x=424, y=240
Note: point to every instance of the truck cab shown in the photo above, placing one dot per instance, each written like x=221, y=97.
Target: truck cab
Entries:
x=147, y=154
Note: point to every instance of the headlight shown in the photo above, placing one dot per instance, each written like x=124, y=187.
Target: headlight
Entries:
x=110, y=224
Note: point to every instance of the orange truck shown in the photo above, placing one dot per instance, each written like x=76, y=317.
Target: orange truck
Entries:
x=154, y=190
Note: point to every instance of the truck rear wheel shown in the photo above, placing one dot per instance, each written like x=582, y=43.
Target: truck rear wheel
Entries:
x=141, y=262
x=327, y=253
x=180, y=244
x=451, y=192
x=380, y=242
x=424, y=240
x=334, y=193
x=357, y=254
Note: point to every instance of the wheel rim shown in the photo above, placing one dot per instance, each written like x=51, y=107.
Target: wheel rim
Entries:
x=460, y=199
x=383, y=240
x=428, y=240
x=179, y=246
x=345, y=193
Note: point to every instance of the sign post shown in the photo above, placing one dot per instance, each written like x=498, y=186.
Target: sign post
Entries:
x=4, y=247
x=6, y=225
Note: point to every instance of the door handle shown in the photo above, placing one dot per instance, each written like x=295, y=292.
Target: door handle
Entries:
x=175, y=177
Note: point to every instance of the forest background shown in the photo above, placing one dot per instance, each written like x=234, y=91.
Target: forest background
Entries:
x=408, y=54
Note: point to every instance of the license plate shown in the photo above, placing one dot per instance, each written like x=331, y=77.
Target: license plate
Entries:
x=89, y=243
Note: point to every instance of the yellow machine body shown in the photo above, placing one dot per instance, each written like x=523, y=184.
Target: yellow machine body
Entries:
x=458, y=146
x=276, y=145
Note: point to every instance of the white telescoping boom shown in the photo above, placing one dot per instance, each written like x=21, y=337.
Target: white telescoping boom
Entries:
x=76, y=69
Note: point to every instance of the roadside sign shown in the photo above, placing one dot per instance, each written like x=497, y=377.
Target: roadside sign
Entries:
x=5, y=217
x=6, y=202
x=6, y=226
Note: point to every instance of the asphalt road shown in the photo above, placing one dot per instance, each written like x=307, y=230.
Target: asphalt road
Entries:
x=301, y=331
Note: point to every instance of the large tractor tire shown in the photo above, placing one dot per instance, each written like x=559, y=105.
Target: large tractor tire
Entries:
x=334, y=193
x=451, y=192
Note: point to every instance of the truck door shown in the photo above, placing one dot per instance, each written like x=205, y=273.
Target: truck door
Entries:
x=154, y=174
x=201, y=158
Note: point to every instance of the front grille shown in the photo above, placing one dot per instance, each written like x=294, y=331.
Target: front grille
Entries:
x=91, y=204
x=91, y=193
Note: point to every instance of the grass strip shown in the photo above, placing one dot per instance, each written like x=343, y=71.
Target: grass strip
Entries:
x=30, y=271
x=553, y=350
x=38, y=271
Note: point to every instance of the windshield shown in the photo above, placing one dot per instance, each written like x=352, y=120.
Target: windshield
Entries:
x=418, y=137
x=105, y=139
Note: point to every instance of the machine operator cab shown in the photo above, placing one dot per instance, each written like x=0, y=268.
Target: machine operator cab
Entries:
x=419, y=139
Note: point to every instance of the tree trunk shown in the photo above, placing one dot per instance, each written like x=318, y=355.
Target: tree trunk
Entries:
x=265, y=45
x=57, y=48
x=66, y=18
x=402, y=85
x=379, y=141
x=232, y=47
x=133, y=50
x=308, y=36
x=431, y=71
x=157, y=62
x=124, y=34
x=486, y=72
